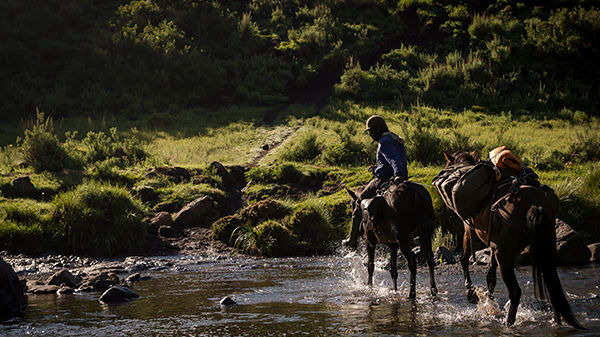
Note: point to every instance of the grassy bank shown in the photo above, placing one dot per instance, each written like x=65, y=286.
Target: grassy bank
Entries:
x=87, y=196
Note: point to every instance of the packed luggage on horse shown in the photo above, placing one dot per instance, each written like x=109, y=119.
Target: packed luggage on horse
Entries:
x=502, y=203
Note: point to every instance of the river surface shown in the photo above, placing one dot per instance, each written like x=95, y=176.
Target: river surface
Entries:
x=322, y=296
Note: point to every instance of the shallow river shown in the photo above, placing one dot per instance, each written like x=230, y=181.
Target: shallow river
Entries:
x=323, y=296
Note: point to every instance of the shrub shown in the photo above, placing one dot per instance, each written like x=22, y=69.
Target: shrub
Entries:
x=310, y=226
x=100, y=146
x=223, y=228
x=440, y=238
x=274, y=239
x=98, y=218
x=41, y=148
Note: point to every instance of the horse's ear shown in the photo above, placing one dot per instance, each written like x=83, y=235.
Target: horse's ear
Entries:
x=449, y=158
x=352, y=194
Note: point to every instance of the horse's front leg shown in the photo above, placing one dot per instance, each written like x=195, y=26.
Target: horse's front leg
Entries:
x=412, y=266
x=394, y=264
x=507, y=270
x=371, y=262
x=464, y=261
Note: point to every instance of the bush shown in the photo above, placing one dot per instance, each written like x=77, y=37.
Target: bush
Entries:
x=99, y=146
x=274, y=240
x=41, y=148
x=312, y=228
x=98, y=218
x=223, y=228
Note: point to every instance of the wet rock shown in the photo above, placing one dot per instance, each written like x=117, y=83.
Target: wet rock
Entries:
x=12, y=297
x=194, y=213
x=594, y=252
x=65, y=291
x=444, y=255
x=161, y=219
x=38, y=289
x=570, y=246
x=168, y=232
x=63, y=277
x=118, y=294
x=133, y=278
x=101, y=281
x=227, y=301
x=146, y=194
x=482, y=257
x=22, y=187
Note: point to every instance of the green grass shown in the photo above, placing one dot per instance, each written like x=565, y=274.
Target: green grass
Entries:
x=312, y=156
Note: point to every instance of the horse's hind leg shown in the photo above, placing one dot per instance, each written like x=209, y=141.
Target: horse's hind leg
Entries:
x=394, y=264
x=514, y=292
x=371, y=262
x=464, y=261
x=491, y=273
x=412, y=266
x=429, y=257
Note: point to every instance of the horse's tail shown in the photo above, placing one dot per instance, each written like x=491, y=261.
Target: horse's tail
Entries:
x=545, y=276
x=424, y=213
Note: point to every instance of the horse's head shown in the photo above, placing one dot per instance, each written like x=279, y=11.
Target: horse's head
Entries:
x=460, y=157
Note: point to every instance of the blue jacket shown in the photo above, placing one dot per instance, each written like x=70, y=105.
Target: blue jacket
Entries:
x=391, y=157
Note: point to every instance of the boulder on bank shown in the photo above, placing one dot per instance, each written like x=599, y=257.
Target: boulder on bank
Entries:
x=118, y=294
x=22, y=187
x=482, y=257
x=444, y=255
x=161, y=219
x=571, y=248
x=168, y=232
x=12, y=297
x=194, y=213
x=63, y=277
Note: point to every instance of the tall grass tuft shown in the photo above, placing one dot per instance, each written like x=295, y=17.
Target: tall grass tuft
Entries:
x=98, y=218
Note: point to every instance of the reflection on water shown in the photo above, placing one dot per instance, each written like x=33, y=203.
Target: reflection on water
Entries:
x=303, y=296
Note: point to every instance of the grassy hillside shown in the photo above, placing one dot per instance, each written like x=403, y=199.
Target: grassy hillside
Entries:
x=97, y=97
x=144, y=57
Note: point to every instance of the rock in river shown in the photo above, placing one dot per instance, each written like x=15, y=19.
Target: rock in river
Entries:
x=118, y=294
x=12, y=298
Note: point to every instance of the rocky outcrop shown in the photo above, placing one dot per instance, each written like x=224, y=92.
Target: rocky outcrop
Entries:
x=444, y=255
x=12, y=297
x=194, y=213
x=570, y=246
x=118, y=294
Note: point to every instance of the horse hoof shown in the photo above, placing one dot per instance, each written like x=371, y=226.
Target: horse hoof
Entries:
x=471, y=296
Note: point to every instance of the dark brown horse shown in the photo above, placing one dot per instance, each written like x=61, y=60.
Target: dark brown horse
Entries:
x=517, y=216
x=403, y=212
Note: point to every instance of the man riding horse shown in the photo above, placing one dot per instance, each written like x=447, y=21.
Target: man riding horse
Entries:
x=391, y=163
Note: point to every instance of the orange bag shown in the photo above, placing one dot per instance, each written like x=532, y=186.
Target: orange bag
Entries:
x=503, y=158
